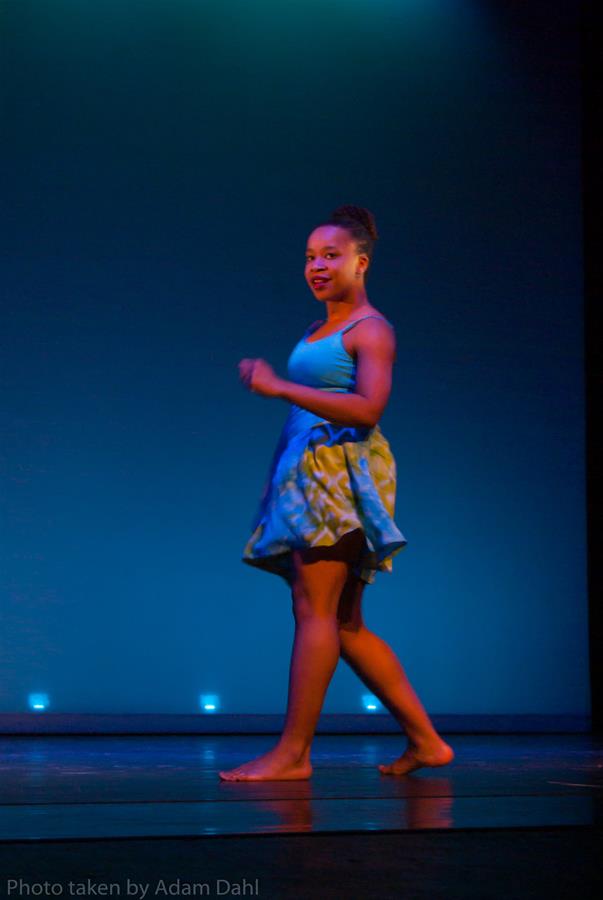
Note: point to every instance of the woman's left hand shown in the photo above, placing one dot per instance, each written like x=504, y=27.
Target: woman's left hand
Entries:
x=259, y=377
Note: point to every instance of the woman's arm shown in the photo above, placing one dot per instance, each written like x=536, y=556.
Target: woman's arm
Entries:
x=375, y=348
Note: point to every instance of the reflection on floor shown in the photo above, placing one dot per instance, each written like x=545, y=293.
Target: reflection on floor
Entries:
x=101, y=787
x=144, y=817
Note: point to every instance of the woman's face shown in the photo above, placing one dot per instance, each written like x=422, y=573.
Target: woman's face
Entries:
x=332, y=262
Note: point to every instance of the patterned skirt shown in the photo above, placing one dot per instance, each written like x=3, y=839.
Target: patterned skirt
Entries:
x=326, y=480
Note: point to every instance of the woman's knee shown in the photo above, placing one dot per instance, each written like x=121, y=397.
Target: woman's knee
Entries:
x=351, y=639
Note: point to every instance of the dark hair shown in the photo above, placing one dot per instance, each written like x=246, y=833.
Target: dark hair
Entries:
x=360, y=223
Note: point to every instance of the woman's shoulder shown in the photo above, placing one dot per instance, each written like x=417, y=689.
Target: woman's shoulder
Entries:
x=374, y=329
x=372, y=318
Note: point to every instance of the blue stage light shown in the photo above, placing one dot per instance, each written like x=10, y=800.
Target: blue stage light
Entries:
x=38, y=702
x=209, y=703
x=370, y=703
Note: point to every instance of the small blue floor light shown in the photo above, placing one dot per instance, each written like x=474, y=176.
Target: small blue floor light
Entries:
x=209, y=703
x=371, y=703
x=38, y=702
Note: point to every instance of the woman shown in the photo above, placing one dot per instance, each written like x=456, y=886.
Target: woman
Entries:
x=325, y=521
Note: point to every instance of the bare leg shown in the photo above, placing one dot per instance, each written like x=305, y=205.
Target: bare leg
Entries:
x=320, y=576
x=378, y=667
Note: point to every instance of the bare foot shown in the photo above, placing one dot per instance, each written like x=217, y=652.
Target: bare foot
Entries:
x=417, y=755
x=276, y=765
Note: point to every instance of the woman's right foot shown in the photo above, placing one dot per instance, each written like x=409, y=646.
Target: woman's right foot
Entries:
x=416, y=756
x=276, y=765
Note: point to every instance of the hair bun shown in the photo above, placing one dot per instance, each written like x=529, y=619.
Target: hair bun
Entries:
x=356, y=214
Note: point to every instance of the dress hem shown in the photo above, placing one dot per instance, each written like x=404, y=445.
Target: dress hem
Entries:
x=279, y=563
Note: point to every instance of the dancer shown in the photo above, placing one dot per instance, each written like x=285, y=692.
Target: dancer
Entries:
x=325, y=520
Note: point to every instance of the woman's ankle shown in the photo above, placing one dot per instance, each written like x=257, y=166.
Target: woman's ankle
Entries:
x=423, y=738
x=297, y=750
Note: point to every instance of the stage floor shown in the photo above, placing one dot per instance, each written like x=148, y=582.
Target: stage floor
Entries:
x=102, y=787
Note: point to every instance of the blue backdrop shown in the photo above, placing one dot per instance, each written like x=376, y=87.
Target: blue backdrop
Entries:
x=164, y=163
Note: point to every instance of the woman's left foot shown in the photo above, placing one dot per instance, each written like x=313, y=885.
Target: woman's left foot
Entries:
x=276, y=765
x=432, y=754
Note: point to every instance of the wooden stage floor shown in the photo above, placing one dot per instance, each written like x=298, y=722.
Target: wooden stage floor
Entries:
x=111, y=808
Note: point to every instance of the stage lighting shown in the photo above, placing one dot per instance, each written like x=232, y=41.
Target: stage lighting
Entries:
x=38, y=701
x=209, y=703
x=370, y=703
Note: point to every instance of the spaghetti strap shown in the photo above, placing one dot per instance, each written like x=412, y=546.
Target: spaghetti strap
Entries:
x=313, y=327
x=368, y=316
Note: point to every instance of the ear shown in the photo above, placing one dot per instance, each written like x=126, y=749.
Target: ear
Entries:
x=363, y=262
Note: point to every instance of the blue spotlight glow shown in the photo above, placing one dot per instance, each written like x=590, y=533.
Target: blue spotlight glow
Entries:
x=38, y=701
x=370, y=703
x=209, y=703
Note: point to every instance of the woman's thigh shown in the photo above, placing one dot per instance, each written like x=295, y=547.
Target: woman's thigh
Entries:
x=321, y=574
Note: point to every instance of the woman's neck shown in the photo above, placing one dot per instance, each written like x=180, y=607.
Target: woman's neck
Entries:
x=340, y=310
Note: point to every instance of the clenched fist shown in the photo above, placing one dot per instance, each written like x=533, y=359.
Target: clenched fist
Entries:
x=259, y=377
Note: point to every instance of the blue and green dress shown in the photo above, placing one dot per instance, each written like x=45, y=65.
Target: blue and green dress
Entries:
x=325, y=479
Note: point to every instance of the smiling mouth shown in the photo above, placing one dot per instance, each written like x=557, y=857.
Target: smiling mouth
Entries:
x=319, y=282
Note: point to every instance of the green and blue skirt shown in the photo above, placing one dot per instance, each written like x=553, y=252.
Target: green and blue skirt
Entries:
x=326, y=480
